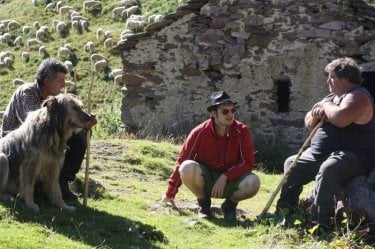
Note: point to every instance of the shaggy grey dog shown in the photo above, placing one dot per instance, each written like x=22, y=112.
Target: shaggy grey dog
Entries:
x=35, y=151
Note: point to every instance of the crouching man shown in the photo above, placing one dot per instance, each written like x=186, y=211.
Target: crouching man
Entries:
x=216, y=161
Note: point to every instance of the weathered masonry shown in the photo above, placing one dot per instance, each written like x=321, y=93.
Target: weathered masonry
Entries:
x=269, y=55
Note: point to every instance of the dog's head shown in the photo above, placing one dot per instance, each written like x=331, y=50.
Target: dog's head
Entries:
x=67, y=113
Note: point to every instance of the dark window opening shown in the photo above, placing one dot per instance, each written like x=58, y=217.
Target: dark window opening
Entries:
x=282, y=95
x=369, y=82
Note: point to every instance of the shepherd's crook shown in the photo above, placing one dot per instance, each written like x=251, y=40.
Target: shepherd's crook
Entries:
x=286, y=175
x=88, y=143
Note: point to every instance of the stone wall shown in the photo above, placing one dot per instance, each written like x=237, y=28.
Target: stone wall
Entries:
x=268, y=55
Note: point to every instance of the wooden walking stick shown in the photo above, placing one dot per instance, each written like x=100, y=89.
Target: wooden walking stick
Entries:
x=89, y=106
x=286, y=175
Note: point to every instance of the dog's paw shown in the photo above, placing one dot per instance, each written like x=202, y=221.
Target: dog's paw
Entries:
x=69, y=208
x=33, y=207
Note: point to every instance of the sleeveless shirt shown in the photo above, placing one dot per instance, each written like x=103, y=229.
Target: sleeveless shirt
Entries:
x=359, y=139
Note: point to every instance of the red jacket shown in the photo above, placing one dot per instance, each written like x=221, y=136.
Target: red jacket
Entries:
x=232, y=154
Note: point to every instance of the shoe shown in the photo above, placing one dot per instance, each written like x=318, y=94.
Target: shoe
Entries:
x=205, y=208
x=229, y=209
x=67, y=194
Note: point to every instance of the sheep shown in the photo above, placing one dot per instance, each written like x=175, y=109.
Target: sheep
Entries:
x=5, y=38
x=59, y=4
x=49, y=7
x=18, y=41
x=68, y=65
x=43, y=52
x=26, y=30
x=97, y=57
x=68, y=46
x=60, y=28
x=127, y=3
x=8, y=61
x=33, y=44
x=5, y=54
x=116, y=12
x=2, y=27
x=18, y=82
x=89, y=47
x=114, y=73
x=100, y=65
x=64, y=10
x=13, y=25
x=42, y=33
x=135, y=25
x=92, y=4
x=118, y=80
x=36, y=25
x=131, y=10
x=100, y=35
x=84, y=24
x=25, y=56
x=75, y=25
x=109, y=43
x=35, y=2
x=63, y=52
x=126, y=33
x=155, y=18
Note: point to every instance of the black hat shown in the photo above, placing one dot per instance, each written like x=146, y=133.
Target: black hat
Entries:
x=218, y=98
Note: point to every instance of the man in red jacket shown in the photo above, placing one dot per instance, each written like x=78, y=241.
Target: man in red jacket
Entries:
x=216, y=160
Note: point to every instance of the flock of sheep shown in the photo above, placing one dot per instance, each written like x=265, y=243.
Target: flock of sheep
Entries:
x=70, y=19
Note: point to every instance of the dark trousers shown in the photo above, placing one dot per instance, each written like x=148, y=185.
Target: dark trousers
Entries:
x=74, y=155
x=331, y=173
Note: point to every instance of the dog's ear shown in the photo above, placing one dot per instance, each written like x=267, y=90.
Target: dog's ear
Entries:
x=57, y=112
x=51, y=104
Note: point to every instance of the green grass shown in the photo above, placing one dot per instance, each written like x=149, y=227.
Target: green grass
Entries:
x=126, y=211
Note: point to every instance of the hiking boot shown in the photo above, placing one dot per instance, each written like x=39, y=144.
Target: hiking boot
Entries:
x=205, y=208
x=229, y=209
x=67, y=194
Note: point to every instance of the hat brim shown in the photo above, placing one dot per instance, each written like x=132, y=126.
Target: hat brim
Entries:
x=211, y=107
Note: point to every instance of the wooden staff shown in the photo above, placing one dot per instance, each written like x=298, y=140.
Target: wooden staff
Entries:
x=286, y=175
x=89, y=106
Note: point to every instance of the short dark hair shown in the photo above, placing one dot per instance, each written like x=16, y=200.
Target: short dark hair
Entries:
x=49, y=69
x=345, y=68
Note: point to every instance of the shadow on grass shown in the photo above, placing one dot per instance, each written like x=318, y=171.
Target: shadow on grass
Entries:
x=90, y=226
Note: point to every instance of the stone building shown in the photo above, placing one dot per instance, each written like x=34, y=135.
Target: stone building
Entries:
x=268, y=55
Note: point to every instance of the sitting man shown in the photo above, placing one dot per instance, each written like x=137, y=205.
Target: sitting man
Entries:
x=216, y=160
x=50, y=79
x=342, y=148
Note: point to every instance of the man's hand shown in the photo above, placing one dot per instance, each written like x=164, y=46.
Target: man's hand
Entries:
x=168, y=201
x=91, y=123
x=218, y=188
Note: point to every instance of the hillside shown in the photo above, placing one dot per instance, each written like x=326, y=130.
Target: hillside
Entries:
x=105, y=95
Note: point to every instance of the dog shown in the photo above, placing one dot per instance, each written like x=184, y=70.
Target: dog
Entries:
x=35, y=151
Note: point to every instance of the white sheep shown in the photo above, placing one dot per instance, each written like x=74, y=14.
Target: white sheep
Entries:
x=69, y=66
x=91, y=4
x=49, y=7
x=12, y=25
x=97, y=57
x=155, y=18
x=35, y=2
x=60, y=28
x=43, y=52
x=36, y=25
x=59, y=4
x=100, y=65
x=118, y=80
x=25, y=56
x=5, y=38
x=33, y=44
x=42, y=33
x=135, y=25
x=64, y=10
x=100, y=35
x=115, y=72
x=18, y=41
x=26, y=30
x=84, y=24
x=18, y=82
x=127, y=3
x=109, y=43
x=117, y=12
x=76, y=26
x=2, y=27
x=89, y=47
x=8, y=61
x=131, y=11
x=68, y=46
x=63, y=52
x=5, y=54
